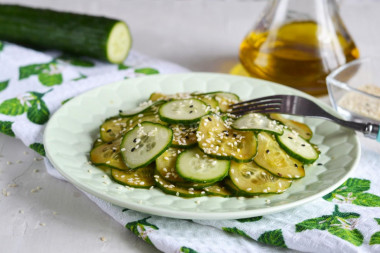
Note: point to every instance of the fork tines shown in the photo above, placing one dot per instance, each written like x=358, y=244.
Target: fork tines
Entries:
x=269, y=104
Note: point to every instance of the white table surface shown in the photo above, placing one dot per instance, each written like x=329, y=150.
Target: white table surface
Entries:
x=39, y=213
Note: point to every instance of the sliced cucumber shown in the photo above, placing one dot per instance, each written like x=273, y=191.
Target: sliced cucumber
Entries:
x=140, y=178
x=225, y=99
x=297, y=147
x=144, y=143
x=108, y=154
x=193, y=166
x=274, y=159
x=184, y=111
x=217, y=139
x=251, y=179
x=165, y=165
x=97, y=143
x=113, y=128
x=209, y=100
x=184, y=136
x=149, y=106
x=172, y=189
x=303, y=129
x=166, y=168
x=218, y=189
x=134, y=121
x=156, y=96
x=258, y=122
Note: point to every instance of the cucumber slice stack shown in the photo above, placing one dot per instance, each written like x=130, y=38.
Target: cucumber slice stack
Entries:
x=188, y=145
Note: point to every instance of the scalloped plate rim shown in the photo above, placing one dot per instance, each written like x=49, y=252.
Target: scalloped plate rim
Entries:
x=194, y=214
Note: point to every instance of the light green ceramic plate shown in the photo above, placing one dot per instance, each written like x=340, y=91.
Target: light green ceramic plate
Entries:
x=72, y=129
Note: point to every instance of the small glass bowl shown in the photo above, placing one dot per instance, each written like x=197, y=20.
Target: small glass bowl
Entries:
x=354, y=90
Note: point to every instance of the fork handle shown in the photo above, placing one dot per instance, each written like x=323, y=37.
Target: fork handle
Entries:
x=369, y=130
x=372, y=131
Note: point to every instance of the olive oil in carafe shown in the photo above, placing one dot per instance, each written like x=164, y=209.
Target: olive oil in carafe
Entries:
x=298, y=54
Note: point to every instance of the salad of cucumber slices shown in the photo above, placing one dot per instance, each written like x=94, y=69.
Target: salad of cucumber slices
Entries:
x=189, y=145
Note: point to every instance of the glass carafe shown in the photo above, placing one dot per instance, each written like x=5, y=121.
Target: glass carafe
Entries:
x=298, y=43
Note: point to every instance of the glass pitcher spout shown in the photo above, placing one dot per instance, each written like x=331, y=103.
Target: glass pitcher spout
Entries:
x=298, y=43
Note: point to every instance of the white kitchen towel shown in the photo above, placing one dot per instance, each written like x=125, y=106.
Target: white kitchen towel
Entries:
x=35, y=84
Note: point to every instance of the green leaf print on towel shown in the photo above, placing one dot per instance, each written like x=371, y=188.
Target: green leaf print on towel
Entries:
x=33, y=69
x=142, y=228
x=76, y=61
x=121, y=66
x=48, y=73
x=3, y=85
x=31, y=103
x=147, y=71
x=339, y=224
x=13, y=107
x=1, y=46
x=6, y=128
x=80, y=77
x=187, y=250
x=38, y=147
x=353, y=192
x=273, y=238
x=48, y=79
x=252, y=219
x=235, y=230
x=375, y=238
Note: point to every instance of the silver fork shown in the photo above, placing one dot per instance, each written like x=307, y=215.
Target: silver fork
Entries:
x=296, y=105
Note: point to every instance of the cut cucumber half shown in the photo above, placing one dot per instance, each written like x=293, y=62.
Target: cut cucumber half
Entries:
x=258, y=122
x=149, y=106
x=184, y=136
x=119, y=43
x=251, y=179
x=184, y=111
x=140, y=178
x=297, y=147
x=274, y=159
x=217, y=139
x=144, y=143
x=301, y=128
x=99, y=37
x=194, y=166
x=172, y=189
x=108, y=154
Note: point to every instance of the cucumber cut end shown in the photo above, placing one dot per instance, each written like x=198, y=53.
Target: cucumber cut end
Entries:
x=119, y=43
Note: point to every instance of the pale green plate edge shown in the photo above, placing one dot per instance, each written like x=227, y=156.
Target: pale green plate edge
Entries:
x=49, y=131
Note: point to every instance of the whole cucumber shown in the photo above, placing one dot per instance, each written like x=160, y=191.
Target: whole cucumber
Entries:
x=99, y=37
